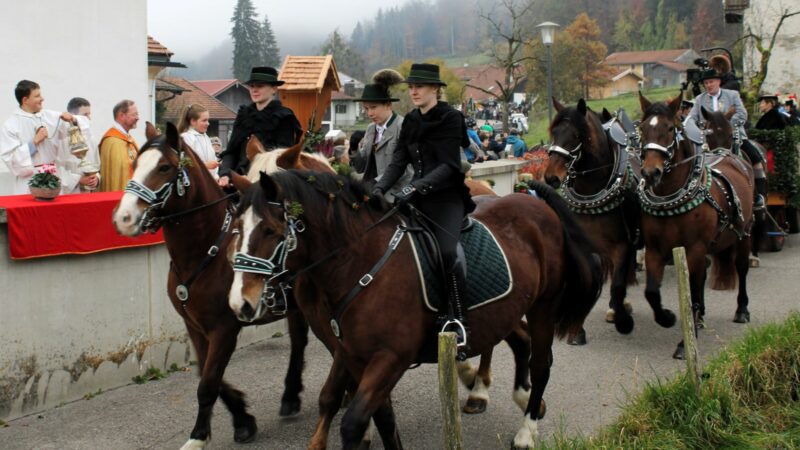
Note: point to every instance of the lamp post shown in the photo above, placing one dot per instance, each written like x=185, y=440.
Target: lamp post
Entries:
x=548, y=30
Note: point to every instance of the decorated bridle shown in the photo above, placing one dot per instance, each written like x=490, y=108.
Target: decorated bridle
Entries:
x=668, y=151
x=572, y=156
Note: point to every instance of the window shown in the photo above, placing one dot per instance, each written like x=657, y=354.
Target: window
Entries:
x=341, y=108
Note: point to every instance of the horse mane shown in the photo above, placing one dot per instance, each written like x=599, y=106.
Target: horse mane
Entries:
x=267, y=162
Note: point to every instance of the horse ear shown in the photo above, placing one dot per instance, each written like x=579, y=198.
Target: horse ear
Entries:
x=173, y=137
x=268, y=186
x=240, y=182
x=606, y=115
x=582, y=107
x=704, y=112
x=675, y=104
x=290, y=158
x=644, y=102
x=731, y=111
x=558, y=106
x=150, y=131
x=254, y=147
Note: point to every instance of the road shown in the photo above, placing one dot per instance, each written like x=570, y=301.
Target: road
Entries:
x=587, y=385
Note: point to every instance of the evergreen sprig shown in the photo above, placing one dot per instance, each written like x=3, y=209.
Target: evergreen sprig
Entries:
x=784, y=145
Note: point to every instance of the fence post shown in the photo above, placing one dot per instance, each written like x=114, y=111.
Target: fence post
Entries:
x=687, y=318
x=448, y=392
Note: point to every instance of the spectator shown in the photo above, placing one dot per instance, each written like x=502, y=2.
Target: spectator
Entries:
x=118, y=149
x=514, y=145
x=216, y=144
x=772, y=119
x=193, y=124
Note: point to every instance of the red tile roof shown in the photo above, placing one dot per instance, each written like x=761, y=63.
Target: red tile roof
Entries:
x=339, y=95
x=194, y=95
x=650, y=56
x=156, y=48
x=677, y=67
x=214, y=87
x=309, y=73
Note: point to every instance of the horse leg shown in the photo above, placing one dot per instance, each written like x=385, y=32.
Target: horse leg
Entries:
x=623, y=321
x=742, y=268
x=520, y=342
x=541, y=331
x=374, y=388
x=221, y=344
x=330, y=400
x=479, y=391
x=293, y=383
x=386, y=423
x=652, y=292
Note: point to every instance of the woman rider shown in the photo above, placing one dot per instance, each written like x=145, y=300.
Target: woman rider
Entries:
x=431, y=139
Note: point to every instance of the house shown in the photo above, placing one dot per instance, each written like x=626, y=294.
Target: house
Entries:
x=784, y=65
x=310, y=81
x=344, y=110
x=232, y=92
x=482, y=78
x=159, y=58
x=657, y=68
x=221, y=117
x=622, y=81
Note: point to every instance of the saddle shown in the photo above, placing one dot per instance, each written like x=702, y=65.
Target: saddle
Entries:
x=420, y=229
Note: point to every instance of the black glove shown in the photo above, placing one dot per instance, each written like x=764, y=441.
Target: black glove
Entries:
x=377, y=192
x=405, y=195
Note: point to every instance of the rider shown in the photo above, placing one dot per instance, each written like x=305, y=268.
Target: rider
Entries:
x=717, y=99
x=431, y=140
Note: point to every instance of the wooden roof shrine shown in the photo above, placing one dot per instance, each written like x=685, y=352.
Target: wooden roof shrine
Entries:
x=309, y=83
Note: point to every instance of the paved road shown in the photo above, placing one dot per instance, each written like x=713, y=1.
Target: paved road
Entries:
x=587, y=384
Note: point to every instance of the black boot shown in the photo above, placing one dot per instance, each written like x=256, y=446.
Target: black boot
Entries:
x=456, y=295
x=761, y=192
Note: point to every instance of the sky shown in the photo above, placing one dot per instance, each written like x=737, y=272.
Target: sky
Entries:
x=192, y=28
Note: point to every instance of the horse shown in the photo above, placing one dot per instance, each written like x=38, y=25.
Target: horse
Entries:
x=174, y=184
x=598, y=183
x=385, y=328
x=688, y=203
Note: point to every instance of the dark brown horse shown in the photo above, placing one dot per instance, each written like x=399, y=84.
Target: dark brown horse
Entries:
x=599, y=186
x=688, y=203
x=193, y=212
x=318, y=225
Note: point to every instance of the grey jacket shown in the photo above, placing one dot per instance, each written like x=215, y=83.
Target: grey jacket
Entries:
x=727, y=98
x=383, y=151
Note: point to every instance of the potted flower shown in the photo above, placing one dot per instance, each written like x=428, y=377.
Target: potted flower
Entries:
x=45, y=186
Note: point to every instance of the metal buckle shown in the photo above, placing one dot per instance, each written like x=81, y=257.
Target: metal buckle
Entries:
x=213, y=250
x=365, y=280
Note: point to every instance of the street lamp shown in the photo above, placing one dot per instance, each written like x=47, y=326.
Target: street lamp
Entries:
x=548, y=30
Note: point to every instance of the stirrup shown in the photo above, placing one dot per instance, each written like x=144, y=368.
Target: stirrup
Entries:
x=759, y=203
x=461, y=339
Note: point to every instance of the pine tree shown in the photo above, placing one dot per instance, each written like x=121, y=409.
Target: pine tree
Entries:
x=246, y=33
x=270, y=53
x=626, y=33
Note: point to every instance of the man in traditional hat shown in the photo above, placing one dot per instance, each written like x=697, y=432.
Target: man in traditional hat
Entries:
x=274, y=124
x=379, y=142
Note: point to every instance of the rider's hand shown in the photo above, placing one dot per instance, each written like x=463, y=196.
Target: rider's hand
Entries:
x=405, y=195
x=377, y=192
x=224, y=181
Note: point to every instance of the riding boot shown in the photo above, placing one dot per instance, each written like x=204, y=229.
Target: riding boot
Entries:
x=760, y=196
x=456, y=294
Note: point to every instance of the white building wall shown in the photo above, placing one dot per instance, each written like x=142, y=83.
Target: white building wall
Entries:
x=762, y=17
x=95, y=49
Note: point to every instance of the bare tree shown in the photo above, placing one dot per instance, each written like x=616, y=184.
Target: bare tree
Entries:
x=509, y=32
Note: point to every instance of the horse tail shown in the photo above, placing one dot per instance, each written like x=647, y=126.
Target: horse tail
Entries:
x=723, y=271
x=585, y=268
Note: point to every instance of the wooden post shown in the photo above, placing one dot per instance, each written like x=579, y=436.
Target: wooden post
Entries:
x=687, y=318
x=448, y=392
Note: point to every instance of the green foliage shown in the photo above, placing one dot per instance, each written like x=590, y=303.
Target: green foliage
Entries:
x=295, y=209
x=347, y=60
x=152, y=373
x=784, y=144
x=270, y=54
x=45, y=181
x=246, y=34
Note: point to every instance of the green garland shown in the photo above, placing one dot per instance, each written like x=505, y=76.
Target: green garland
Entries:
x=784, y=144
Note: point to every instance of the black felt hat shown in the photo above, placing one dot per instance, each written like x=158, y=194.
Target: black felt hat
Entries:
x=266, y=75
x=376, y=93
x=709, y=74
x=424, y=74
x=768, y=97
x=687, y=104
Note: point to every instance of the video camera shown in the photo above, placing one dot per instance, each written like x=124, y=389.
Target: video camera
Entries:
x=694, y=76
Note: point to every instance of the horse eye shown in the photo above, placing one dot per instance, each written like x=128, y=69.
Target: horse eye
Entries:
x=164, y=168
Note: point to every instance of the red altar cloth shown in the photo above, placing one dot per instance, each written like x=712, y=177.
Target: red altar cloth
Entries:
x=69, y=224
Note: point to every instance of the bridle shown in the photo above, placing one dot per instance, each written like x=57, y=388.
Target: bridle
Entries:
x=572, y=156
x=668, y=151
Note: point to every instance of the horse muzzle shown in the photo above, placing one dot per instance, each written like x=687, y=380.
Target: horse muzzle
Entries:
x=652, y=176
x=553, y=181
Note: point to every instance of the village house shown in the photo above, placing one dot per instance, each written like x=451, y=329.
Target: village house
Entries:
x=176, y=93
x=653, y=68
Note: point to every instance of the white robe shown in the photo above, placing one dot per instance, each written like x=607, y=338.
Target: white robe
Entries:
x=67, y=163
x=200, y=143
x=16, y=135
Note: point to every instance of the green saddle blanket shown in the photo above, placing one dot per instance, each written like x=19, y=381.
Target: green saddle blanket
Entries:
x=488, y=272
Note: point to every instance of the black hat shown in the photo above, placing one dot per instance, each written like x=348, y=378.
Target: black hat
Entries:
x=709, y=74
x=687, y=104
x=266, y=75
x=375, y=93
x=768, y=97
x=424, y=74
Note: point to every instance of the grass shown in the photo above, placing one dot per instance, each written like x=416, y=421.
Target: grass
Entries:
x=538, y=123
x=473, y=60
x=748, y=399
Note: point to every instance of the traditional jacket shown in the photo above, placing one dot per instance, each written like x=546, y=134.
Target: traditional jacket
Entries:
x=378, y=155
x=200, y=143
x=275, y=126
x=68, y=164
x=726, y=99
x=117, y=153
x=16, y=144
x=772, y=120
x=432, y=144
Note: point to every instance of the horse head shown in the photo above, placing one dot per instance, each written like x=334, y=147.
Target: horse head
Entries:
x=717, y=127
x=271, y=161
x=659, y=130
x=575, y=131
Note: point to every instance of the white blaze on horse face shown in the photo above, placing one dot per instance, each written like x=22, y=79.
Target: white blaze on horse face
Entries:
x=235, y=299
x=126, y=218
x=654, y=121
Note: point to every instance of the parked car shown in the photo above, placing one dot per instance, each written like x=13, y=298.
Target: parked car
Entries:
x=519, y=121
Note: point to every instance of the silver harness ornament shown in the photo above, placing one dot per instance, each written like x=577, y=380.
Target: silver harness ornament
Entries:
x=158, y=198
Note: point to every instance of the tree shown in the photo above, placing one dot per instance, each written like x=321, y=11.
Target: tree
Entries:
x=626, y=33
x=347, y=60
x=245, y=33
x=564, y=71
x=588, y=53
x=270, y=53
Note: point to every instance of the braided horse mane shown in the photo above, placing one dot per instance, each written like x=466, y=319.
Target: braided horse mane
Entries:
x=281, y=159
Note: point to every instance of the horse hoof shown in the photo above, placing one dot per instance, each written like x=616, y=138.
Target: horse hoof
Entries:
x=624, y=324
x=542, y=410
x=247, y=431
x=701, y=323
x=475, y=405
x=364, y=445
x=680, y=353
x=289, y=408
x=578, y=338
x=755, y=262
x=628, y=306
x=666, y=319
x=610, y=315
x=741, y=317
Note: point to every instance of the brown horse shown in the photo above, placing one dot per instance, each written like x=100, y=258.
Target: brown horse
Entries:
x=599, y=187
x=327, y=231
x=173, y=184
x=687, y=203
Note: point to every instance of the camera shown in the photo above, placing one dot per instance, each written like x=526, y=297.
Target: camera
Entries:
x=695, y=75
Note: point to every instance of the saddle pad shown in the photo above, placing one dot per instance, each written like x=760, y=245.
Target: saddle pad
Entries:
x=488, y=272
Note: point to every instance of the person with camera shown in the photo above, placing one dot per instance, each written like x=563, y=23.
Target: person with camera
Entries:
x=722, y=65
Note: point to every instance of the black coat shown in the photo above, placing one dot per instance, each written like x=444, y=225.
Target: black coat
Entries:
x=275, y=126
x=729, y=81
x=772, y=120
x=432, y=144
